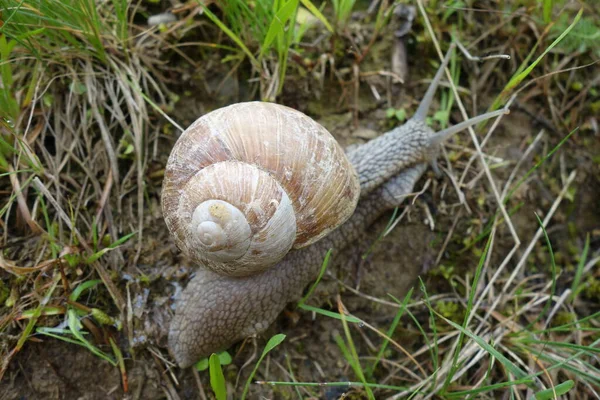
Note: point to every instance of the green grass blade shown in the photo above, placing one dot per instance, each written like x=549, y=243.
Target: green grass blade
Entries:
x=217, y=380
x=464, y=393
x=537, y=165
x=46, y=310
x=231, y=35
x=577, y=279
x=390, y=331
x=335, y=384
x=572, y=325
x=94, y=257
x=432, y=350
x=315, y=11
x=353, y=363
x=380, y=236
x=329, y=314
x=271, y=344
x=75, y=327
x=547, y=10
x=553, y=271
x=435, y=346
x=38, y=311
x=557, y=390
x=120, y=360
x=277, y=26
x=509, y=365
x=571, y=346
x=461, y=337
x=321, y=273
x=122, y=240
x=518, y=78
x=351, y=354
x=83, y=287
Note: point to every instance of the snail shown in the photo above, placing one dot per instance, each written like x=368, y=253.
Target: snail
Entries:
x=259, y=253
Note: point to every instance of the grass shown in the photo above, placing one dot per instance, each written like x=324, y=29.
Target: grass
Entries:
x=91, y=98
x=66, y=68
x=265, y=26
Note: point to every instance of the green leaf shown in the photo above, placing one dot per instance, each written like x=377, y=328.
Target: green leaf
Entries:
x=83, y=287
x=400, y=115
x=224, y=358
x=441, y=116
x=547, y=11
x=202, y=365
x=217, y=380
x=518, y=78
x=271, y=344
x=112, y=246
x=557, y=390
x=78, y=87
x=277, y=26
x=315, y=11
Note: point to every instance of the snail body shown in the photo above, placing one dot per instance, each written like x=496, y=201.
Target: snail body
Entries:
x=233, y=298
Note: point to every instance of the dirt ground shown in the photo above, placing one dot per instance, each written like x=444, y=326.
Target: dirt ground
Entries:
x=52, y=369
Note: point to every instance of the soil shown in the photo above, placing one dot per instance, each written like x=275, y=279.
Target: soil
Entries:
x=56, y=370
x=53, y=369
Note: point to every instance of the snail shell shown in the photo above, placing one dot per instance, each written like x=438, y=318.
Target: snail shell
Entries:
x=246, y=183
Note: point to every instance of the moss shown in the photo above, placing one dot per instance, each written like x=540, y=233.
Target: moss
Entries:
x=447, y=272
x=591, y=288
x=563, y=318
x=450, y=310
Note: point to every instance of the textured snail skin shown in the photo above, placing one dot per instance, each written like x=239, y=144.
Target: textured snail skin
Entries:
x=215, y=311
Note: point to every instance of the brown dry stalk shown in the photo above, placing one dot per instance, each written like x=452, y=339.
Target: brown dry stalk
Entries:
x=22, y=204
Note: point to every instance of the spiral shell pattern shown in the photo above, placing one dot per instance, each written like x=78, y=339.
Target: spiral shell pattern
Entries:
x=246, y=183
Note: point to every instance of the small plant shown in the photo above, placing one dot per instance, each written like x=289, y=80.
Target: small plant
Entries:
x=271, y=344
x=217, y=380
x=224, y=359
x=398, y=115
x=342, y=9
x=259, y=29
